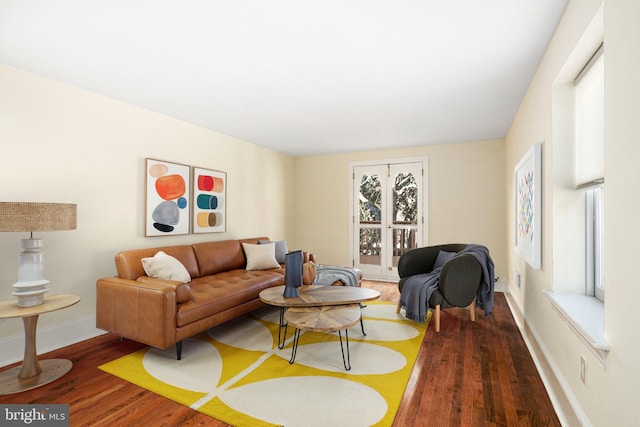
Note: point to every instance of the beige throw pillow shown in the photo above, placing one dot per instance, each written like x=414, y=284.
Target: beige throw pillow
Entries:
x=281, y=249
x=163, y=266
x=260, y=257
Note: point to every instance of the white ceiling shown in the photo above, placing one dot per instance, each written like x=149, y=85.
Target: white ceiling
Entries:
x=302, y=77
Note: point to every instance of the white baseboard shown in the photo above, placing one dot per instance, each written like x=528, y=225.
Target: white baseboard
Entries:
x=567, y=408
x=50, y=338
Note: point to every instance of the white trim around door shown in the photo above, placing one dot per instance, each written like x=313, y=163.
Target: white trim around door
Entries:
x=388, y=213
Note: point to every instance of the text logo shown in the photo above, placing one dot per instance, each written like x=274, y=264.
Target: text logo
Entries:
x=34, y=415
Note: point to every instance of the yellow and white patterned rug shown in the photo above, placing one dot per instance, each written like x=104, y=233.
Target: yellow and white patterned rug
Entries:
x=236, y=373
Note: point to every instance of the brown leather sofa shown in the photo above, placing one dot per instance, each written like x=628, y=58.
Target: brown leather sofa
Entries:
x=162, y=313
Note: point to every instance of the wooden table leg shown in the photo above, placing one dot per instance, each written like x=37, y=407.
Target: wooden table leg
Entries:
x=30, y=364
x=32, y=373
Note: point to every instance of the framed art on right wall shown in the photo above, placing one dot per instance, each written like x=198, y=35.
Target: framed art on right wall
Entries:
x=528, y=200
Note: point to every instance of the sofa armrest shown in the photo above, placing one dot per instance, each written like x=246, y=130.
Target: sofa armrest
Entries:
x=358, y=273
x=182, y=290
x=143, y=311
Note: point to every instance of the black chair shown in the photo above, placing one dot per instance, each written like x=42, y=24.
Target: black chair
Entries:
x=459, y=281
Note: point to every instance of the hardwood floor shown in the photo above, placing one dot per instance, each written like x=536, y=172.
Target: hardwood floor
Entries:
x=469, y=374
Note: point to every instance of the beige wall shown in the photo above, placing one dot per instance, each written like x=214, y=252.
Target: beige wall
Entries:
x=62, y=144
x=608, y=397
x=466, y=198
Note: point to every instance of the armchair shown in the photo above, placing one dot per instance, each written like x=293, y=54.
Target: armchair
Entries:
x=459, y=281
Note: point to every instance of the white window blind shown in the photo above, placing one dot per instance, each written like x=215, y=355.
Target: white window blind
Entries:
x=589, y=121
x=589, y=166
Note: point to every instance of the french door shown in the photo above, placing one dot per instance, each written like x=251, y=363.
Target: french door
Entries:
x=388, y=215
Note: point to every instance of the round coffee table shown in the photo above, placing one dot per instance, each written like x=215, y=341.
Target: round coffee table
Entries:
x=318, y=295
x=330, y=318
x=315, y=296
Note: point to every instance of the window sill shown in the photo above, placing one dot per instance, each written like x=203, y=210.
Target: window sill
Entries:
x=585, y=316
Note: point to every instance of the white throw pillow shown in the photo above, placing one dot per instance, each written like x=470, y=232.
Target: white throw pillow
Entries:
x=163, y=266
x=281, y=249
x=260, y=257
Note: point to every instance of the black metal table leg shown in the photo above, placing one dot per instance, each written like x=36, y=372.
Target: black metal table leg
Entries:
x=282, y=337
x=348, y=359
x=325, y=319
x=294, y=348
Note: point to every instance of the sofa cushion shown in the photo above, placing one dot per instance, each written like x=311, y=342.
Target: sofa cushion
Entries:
x=163, y=266
x=260, y=257
x=214, y=294
x=216, y=257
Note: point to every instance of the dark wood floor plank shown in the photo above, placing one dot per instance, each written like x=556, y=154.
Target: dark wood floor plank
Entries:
x=469, y=374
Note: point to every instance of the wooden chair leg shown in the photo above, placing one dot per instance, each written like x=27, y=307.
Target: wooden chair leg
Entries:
x=398, y=307
x=472, y=310
x=437, y=317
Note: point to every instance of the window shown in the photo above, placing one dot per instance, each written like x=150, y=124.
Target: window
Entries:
x=579, y=192
x=589, y=167
x=595, y=242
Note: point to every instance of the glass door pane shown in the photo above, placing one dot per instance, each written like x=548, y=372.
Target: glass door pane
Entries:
x=370, y=217
x=403, y=241
x=406, y=210
x=370, y=245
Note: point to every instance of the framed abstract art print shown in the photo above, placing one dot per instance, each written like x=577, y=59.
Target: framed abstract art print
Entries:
x=528, y=199
x=209, y=201
x=167, y=198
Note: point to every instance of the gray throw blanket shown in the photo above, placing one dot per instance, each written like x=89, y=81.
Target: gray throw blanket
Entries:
x=326, y=275
x=417, y=290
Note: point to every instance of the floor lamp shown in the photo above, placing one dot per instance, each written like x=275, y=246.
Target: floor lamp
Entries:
x=30, y=217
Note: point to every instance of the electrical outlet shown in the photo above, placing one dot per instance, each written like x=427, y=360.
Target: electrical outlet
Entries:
x=583, y=369
x=517, y=278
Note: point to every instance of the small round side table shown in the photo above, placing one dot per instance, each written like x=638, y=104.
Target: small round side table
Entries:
x=33, y=373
